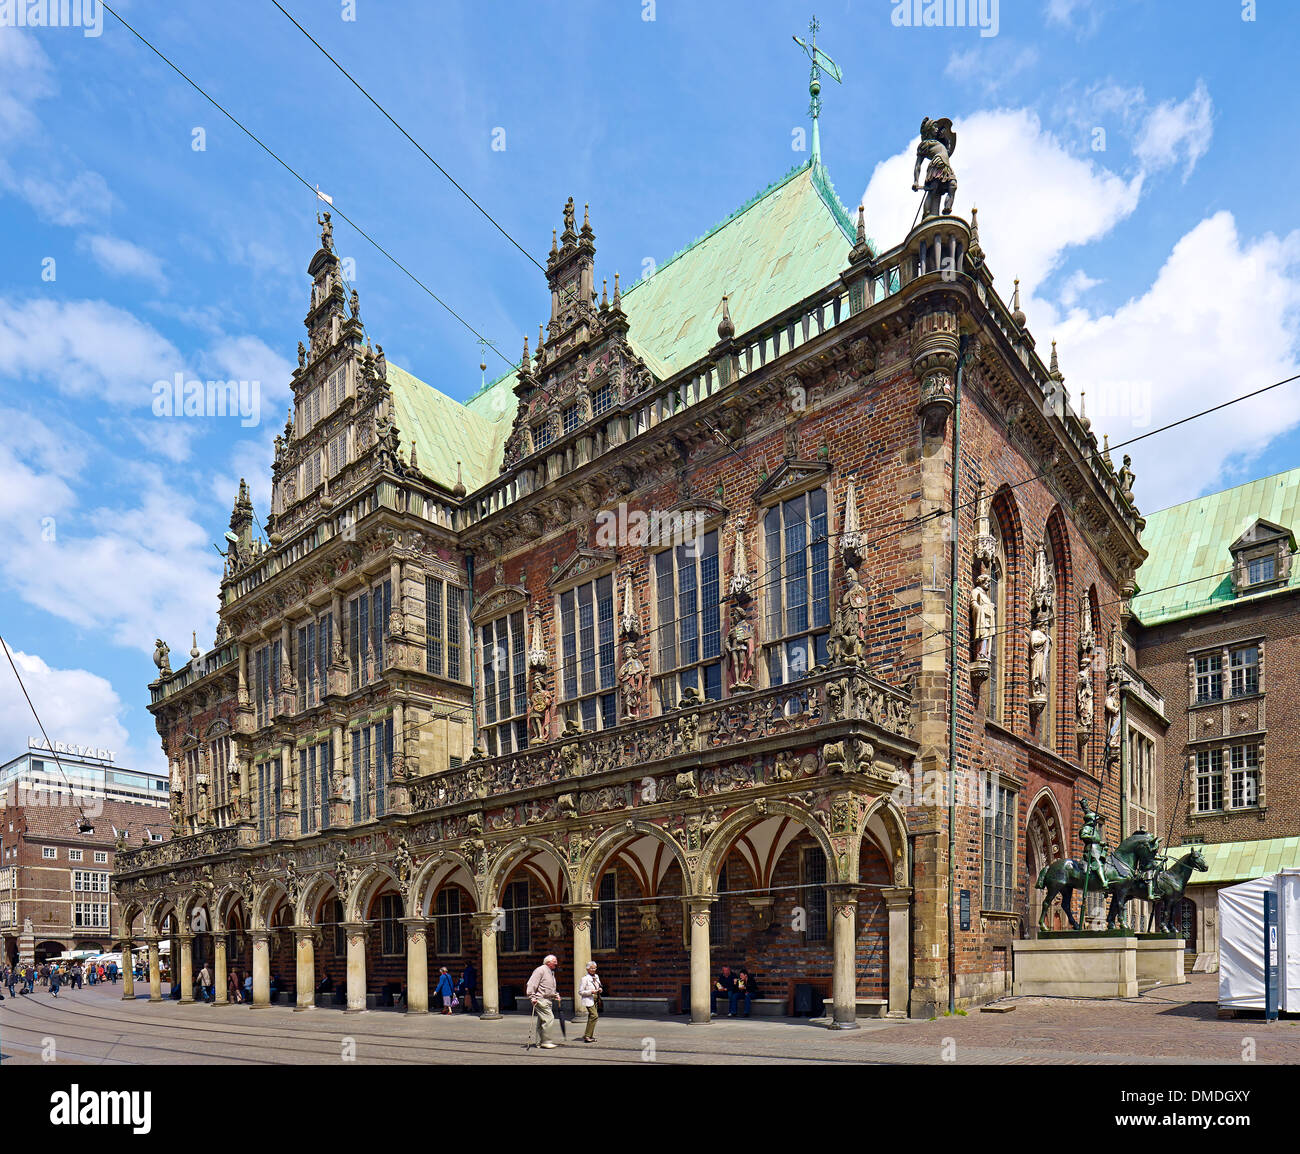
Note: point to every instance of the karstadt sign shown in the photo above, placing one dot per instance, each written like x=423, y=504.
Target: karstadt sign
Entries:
x=71, y=750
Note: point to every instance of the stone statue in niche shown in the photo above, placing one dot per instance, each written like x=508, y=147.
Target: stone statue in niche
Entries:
x=740, y=649
x=983, y=618
x=1083, y=695
x=539, y=710
x=848, y=639
x=1040, y=645
x=633, y=678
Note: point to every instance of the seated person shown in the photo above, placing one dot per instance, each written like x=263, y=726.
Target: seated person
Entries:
x=326, y=985
x=746, y=987
x=724, y=984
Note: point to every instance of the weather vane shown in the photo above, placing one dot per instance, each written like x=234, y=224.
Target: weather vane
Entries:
x=820, y=63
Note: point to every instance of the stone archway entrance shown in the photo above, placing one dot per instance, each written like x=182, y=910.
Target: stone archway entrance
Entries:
x=1044, y=844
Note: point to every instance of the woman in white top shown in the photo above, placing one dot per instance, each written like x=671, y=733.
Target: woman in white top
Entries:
x=589, y=992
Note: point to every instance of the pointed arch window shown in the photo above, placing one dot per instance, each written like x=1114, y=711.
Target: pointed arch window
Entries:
x=996, y=692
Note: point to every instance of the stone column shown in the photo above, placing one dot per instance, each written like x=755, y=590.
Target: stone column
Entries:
x=417, y=965
x=219, y=968
x=582, y=913
x=844, y=968
x=490, y=995
x=187, y=968
x=155, y=972
x=305, y=950
x=356, y=932
x=128, y=973
x=898, y=904
x=261, y=969
x=701, y=970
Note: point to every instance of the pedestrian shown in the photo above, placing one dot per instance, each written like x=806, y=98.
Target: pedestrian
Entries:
x=232, y=987
x=205, y=981
x=468, y=987
x=544, y=995
x=589, y=991
x=444, y=990
x=248, y=987
x=54, y=982
x=11, y=979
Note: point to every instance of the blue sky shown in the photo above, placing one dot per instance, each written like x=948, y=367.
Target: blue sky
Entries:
x=1165, y=263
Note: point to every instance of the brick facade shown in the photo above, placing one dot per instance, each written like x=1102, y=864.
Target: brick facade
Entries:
x=841, y=402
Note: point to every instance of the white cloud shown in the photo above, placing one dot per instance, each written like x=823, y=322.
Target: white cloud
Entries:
x=991, y=64
x=1076, y=284
x=74, y=704
x=85, y=348
x=25, y=73
x=1036, y=200
x=1176, y=349
x=1219, y=319
x=1089, y=14
x=1177, y=131
x=126, y=572
x=122, y=258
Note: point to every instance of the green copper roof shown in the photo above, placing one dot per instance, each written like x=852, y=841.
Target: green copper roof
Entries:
x=1236, y=861
x=445, y=431
x=785, y=244
x=1189, y=563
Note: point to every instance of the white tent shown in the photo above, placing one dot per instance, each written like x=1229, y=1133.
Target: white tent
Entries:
x=1241, y=942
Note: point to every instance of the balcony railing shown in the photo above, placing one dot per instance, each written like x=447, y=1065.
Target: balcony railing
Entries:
x=685, y=735
x=207, y=843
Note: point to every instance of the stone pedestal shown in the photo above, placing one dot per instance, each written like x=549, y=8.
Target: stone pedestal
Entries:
x=1077, y=967
x=1160, y=960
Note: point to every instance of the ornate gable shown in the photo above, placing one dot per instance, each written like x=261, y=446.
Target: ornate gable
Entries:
x=584, y=563
x=498, y=600
x=791, y=477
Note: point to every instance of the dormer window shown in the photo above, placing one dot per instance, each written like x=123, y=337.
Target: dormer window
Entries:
x=542, y=436
x=572, y=418
x=1261, y=558
x=602, y=399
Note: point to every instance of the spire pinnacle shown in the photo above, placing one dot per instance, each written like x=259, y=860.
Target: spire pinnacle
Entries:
x=820, y=62
x=1054, y=369
x=458, y=489
x=1017, y=314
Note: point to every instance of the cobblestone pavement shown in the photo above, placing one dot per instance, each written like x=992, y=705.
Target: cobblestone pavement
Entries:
x=1175, y=1025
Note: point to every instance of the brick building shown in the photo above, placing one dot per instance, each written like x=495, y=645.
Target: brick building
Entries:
x=54, y=873
x=1217, y=638
x=642, y=653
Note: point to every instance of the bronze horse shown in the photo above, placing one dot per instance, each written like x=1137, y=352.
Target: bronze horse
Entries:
x=1164, y=892
x=1136, y=852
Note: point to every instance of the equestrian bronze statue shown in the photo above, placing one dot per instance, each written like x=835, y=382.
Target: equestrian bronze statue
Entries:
x=1163, y=890
x=1100, y=869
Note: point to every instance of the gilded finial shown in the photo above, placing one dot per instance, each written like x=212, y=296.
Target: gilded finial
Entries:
x=458, y=489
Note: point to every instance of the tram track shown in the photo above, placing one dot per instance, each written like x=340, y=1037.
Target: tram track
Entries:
x=289, y=1044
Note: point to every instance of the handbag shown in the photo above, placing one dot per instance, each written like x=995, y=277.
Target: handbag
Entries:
x=600, y=1003
x=455, y=1001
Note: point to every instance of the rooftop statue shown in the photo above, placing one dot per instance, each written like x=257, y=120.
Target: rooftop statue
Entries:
x=938, y=143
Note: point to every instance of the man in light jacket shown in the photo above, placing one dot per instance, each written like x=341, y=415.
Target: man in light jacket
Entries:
x=589, y=991
x=541, y=991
